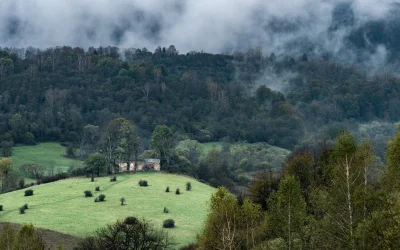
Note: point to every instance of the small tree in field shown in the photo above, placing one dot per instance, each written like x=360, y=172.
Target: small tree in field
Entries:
x=188, y=186
x=177, y=191
x=122, y=200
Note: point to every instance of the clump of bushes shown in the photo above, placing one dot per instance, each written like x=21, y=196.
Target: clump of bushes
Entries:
x=114, y=178
x=88, y=193
x=29, y=192
x=57, y=177
x=166, y=210
x=188, y=186
x=167, y=190
x=169, y=223
x=131, y=220
x=1, y=207
x=21, y=210
x=97, y=189
x=100, y=198
x=21, y=183
x=178, y=191
x=122, y=200
x=143, y=183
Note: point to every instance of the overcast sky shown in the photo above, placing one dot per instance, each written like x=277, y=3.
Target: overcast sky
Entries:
x=209, y=25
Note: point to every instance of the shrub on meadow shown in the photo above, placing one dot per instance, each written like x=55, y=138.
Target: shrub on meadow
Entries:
x=25, y=206
x=101, y=198
x=188, y=186
x=178, y=191
x=169, y=223
x=21, y=210
x=29, y=192
x=167, y=190
x=114, y=178
x=1, y=207
x=143, y=183
x=122, y=200
x=88, y=193
x=97, y=189
x=166, y=210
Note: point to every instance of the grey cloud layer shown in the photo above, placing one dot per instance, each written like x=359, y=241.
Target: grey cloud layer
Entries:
x=209, y=25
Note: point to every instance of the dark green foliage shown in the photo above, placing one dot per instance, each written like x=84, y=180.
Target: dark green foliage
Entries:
x=143, y=183
x=29, y=192
x=166, y=210
x=188, y=186
x=177, y=191
x=97, y=189
x=1, y=207
x=57, y=177
x=88, y=193
x=122, y=200
x=131, y=220
x=135, y=234
x=169, y=223
x=113, y=179
x=21, y=210
x=167, y=190
x=100, y=198
x=21, y=183
x=25, y=206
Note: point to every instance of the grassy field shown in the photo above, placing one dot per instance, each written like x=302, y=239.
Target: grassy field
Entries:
x=45, y=154
x=61, y=206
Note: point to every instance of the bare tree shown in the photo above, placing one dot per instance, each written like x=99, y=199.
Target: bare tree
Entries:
x=147, y=90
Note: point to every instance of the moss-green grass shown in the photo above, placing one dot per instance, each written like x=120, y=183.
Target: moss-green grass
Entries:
x=45, y=154
x=61, y=206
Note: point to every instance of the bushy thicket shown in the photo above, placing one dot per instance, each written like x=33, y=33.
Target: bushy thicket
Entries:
x=143, y=183
x=169, y=223
x=88, y=193
x=29, y=192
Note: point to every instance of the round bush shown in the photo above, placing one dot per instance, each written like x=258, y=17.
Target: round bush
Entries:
x=97, y=189
x=166, y=210
x=114, y=178
x=88, y=193
x=101, y=198
x=1, y=207
x=167, y=190
x=188, y=186
x=29, y=192
x=170, y=223
x=25, y=206
x=21, y=210
x=131, y=220
x=122, y=200
x=143, y=183
x=178, y=191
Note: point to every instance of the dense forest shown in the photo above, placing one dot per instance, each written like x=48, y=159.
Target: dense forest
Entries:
x=52, y=94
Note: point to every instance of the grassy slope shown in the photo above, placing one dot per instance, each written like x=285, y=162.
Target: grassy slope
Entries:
x=61, y=206
x=45, y=154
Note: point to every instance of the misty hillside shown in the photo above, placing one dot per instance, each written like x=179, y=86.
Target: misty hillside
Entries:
x=350, y=30
x=279, y=120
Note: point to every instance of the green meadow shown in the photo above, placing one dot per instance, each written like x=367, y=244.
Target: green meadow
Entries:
x=61, y=206
x=46, y=154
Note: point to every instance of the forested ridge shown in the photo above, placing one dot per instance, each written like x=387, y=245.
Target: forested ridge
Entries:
x=52, y=94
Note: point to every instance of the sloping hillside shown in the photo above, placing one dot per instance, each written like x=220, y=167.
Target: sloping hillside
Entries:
x=61, y=206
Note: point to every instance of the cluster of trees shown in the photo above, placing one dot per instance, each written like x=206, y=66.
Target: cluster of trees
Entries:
x=324, y=199
x=130, y=234
x=26, y=237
